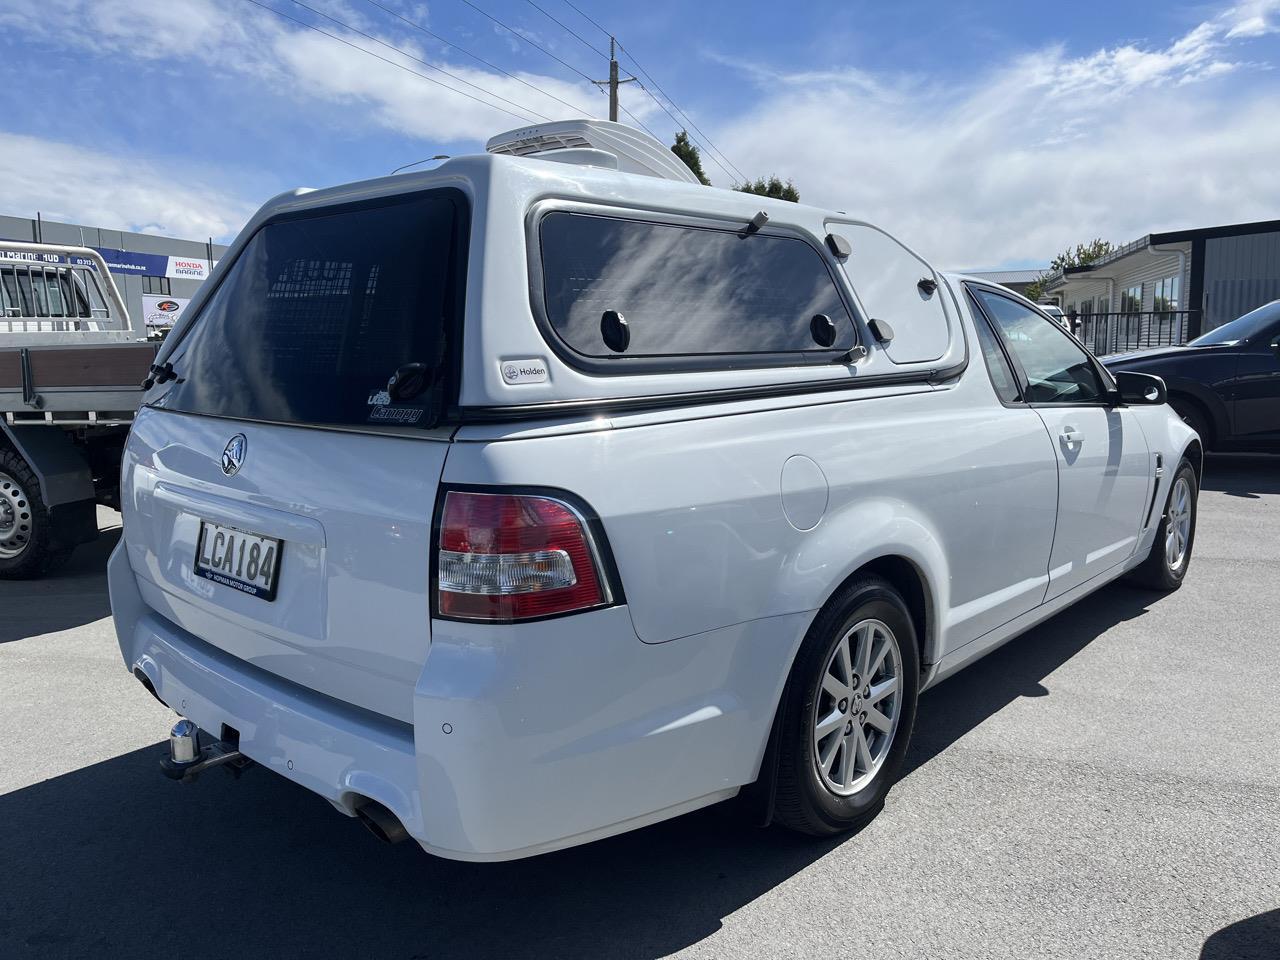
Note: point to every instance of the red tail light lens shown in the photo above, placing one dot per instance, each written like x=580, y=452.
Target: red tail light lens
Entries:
x=505, y=557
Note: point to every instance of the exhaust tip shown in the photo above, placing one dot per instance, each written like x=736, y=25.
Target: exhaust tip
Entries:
x=146, y=682
x=381, y=822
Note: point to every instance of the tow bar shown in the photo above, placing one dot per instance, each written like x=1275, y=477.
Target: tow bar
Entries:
x=188, y=758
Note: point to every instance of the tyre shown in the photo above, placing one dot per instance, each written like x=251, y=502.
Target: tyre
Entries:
x=1166, y=565
x=849, y=707
x=1191, y=414
x=28, y=545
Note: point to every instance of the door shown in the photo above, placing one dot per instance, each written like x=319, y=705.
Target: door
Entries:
x=1104, y=468
x=1256, y=413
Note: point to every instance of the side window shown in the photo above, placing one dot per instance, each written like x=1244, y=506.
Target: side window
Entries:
x=686, y=291
x=886, y=277
x=1002, y=377
x=1056, y=368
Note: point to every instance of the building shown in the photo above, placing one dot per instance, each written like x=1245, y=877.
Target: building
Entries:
x=156, y=275
x=1167, y=288
x=1015, y=280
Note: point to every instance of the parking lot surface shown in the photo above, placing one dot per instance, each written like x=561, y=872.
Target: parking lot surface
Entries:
x=1107, y=785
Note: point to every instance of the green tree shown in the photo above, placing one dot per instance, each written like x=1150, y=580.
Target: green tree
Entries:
x=686, y=151
x=1083, y=255
x=773, y=187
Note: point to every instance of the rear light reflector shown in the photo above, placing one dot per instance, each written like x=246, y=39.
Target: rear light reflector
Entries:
x=506, y=557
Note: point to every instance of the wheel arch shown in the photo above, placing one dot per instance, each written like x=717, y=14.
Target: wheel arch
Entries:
x=912, y=583
x=905, y=572
x=1211, y=406
x=1194, y=451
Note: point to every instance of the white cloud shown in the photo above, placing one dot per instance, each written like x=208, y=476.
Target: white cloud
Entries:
x=296, y=61
x=1043, y=151
x=1253, y=18
x=68, y=182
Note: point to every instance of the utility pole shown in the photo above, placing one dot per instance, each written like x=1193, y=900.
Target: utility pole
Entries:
x=613, y=80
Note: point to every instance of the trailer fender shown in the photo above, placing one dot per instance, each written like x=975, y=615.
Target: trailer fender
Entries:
x=63, y=473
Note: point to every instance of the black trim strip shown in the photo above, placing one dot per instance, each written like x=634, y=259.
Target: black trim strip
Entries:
x=603, y=405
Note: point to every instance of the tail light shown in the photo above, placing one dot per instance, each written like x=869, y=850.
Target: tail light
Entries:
x=505, y=557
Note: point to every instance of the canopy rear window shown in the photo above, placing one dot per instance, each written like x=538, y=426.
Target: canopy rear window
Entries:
x=320, y=311
x=687, y=291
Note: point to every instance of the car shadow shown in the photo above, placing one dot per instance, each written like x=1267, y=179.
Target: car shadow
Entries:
x=113, y=859
x=1255, y=938
x=959, y=704
x=74, y=595
x=1247, y=476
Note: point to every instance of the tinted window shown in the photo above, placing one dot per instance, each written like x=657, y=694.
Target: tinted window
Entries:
x=685, y=290
x=1002, y=377
x=318, y=313
x=1253, y=323
x=1056, y=368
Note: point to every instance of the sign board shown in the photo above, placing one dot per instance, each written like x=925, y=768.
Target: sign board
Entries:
x=123, y=262
x=40, y=259
x=159, y=311
x=156, y=265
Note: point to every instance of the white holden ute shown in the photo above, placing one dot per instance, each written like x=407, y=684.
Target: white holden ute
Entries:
x=548, y=494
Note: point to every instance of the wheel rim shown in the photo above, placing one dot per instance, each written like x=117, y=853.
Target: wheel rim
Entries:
x=15, y=518
x=1177, y=534
x=857, y=706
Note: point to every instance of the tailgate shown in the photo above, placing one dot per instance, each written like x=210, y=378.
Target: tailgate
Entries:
x=350, y=615
x=280, y=482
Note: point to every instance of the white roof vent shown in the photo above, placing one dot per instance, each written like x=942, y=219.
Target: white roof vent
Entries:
x=583, y=141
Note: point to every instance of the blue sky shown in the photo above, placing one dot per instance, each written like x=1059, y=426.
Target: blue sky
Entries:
x=982, y=133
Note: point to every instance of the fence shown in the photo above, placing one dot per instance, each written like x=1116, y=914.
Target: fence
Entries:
x=1109, y=333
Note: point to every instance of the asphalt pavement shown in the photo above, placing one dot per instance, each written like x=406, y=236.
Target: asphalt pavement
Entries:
x=1107, y=785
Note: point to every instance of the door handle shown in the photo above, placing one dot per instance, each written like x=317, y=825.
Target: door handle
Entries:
x=1071, y=436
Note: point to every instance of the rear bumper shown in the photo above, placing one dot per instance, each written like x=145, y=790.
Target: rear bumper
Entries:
x=525, y=739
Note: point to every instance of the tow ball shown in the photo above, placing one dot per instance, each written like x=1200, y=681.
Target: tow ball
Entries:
x=193, y=751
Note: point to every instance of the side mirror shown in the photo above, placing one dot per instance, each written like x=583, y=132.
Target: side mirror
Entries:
x=1141, y=389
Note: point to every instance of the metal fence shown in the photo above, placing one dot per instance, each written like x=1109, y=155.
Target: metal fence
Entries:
x=1110, y=333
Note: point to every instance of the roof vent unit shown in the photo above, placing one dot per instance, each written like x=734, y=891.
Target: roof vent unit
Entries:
x=596, y=143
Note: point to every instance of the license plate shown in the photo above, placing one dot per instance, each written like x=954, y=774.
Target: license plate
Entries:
x=244, y=561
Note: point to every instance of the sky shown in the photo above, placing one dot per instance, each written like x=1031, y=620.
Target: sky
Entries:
x=983, y=134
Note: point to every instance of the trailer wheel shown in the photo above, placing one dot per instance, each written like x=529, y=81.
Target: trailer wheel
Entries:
x=28, y=545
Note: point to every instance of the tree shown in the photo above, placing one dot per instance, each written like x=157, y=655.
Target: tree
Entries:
x=1083, y=255
x=773, y=187
x=686, y=151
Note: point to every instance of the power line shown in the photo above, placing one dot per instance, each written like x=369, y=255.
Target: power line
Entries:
x=312, y=26
x=520, y=36
x=523, y=39
x=425, y=63
x=588, y=19
x=577, y=36
x=645, y=73
x=491, y=66
x=688, y=121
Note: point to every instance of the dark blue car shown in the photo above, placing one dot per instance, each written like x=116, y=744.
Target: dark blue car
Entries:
x=1226, y=383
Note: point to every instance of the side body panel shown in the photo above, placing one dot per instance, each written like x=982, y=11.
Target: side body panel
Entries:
x=1256, y=406
x=1104, y=484
x=704, y=536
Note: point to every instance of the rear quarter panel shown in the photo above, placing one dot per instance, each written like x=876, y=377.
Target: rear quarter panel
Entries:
x=692, y=503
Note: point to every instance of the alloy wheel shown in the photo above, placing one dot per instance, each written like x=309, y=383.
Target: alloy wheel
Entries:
x=1177, y=532
x=857, y=707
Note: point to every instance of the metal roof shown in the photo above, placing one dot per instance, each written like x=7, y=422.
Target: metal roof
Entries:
x=1008, y=276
